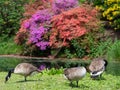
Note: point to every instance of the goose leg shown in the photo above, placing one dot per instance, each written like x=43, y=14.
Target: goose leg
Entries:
x=77, y=83
x=71, y=83
x=25, y=78
x=100, y=75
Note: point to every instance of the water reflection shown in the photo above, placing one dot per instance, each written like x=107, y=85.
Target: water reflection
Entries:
x=113, y=68
x=7, y=63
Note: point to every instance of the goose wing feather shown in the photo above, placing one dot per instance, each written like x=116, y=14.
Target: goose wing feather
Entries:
x=75, y=73
x=25, y=68
x=96, y=65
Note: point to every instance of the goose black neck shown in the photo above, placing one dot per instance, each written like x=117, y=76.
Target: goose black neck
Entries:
x=106, y=62
x=9, y=75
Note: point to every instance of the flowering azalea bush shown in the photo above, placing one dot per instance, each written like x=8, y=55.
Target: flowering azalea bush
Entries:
x=54, y=24
x=39, y=22
x=37, y=26
x=72, y=24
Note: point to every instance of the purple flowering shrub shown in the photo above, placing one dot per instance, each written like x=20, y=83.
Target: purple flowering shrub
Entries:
x=39, y=24
x=63, y=5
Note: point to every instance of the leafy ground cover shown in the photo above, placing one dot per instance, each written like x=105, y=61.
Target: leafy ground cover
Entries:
x=7, y=46
x=46, y=81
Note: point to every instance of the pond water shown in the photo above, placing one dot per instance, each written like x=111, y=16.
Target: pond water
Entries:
x=113, y=68
x=7, y=63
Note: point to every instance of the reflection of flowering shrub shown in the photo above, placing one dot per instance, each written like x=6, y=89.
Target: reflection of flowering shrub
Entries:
x=42, y=67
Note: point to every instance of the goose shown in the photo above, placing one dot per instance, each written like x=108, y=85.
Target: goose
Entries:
x=75, y=74
x=24, y=69
x=97, y=67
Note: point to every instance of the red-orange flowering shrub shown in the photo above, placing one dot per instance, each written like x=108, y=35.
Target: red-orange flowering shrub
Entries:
x=21, y=35
x=72, y=24
x=32, y=7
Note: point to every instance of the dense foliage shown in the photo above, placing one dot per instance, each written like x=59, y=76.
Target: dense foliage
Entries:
x=113, y=52
x=10, y=15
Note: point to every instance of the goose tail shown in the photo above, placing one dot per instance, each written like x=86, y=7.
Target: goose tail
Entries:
x=106, y=62
x=97, y=73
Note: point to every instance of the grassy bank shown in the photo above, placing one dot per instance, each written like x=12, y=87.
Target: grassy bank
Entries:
x=58, y=82
x=8, y=46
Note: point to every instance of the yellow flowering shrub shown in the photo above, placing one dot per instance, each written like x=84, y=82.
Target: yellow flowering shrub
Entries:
x=111, y=11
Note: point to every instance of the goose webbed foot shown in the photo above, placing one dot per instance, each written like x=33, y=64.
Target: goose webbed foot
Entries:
x=25, y=79
x=71, y=84
x=77, y=83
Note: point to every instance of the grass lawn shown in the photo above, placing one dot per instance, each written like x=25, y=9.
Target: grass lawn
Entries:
x=58, y=82
x=8, y=46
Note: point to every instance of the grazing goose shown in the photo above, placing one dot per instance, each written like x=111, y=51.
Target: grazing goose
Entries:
x=75, y=74
x=97, y=67
x=24, y=69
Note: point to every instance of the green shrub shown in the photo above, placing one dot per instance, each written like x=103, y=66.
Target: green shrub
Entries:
x=79, y=50
x=53, y=71
x=100, y=49
x=68, y=53
x=81, y=1
x=10, y=15
x=114, y=51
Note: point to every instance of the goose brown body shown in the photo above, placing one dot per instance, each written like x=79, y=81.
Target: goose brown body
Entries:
x=97, y=67
x=24, y=69
x=75, y=74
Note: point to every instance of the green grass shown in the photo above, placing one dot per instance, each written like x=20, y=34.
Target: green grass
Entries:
x=58, y=82
x=8, y=46
x=113, y=52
